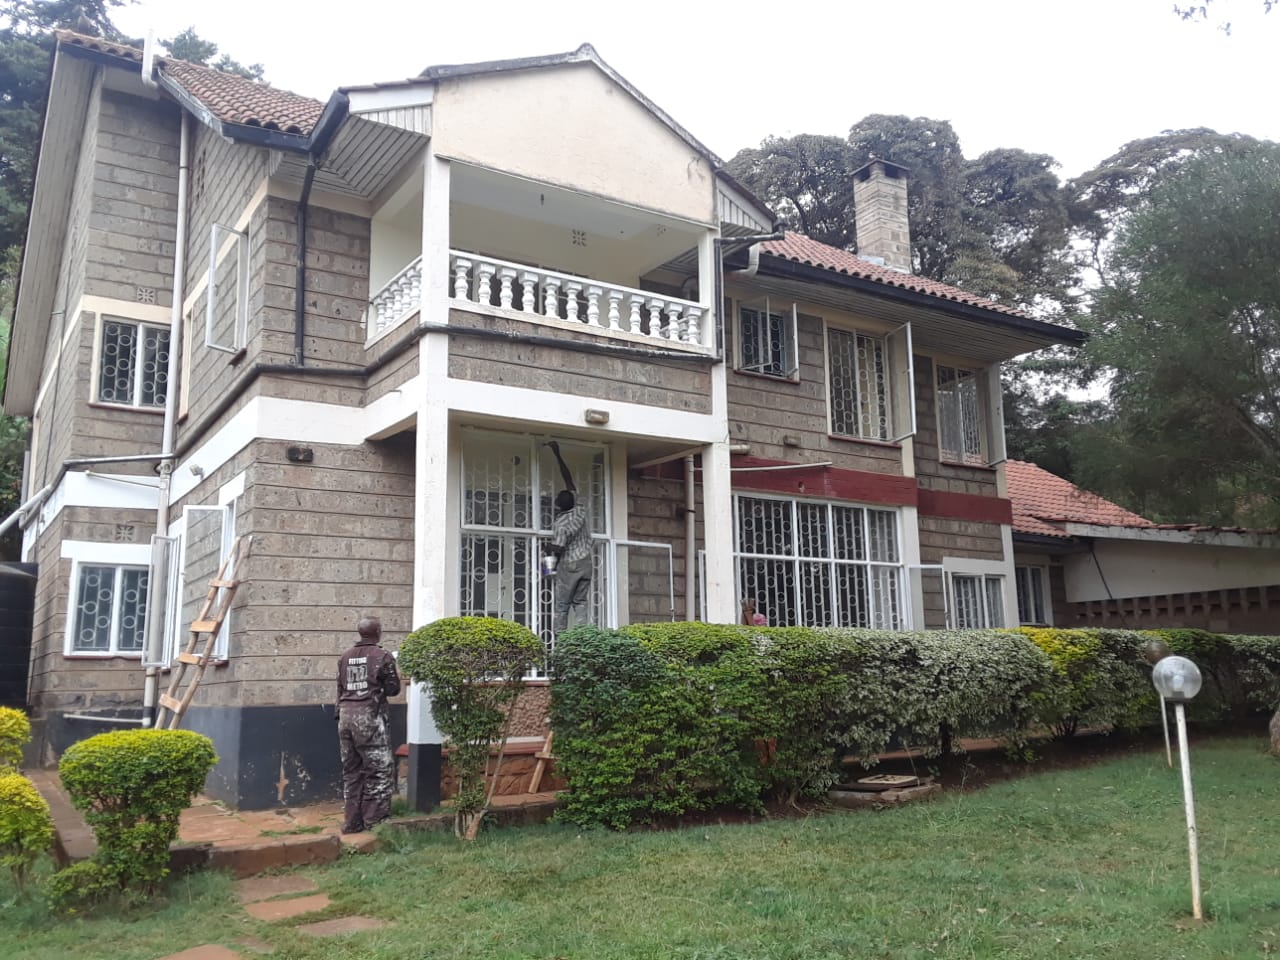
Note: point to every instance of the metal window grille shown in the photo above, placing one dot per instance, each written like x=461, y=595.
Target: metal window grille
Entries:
x=766, y=342
x=858, y=373
x=111, y=609
x=959, y=415
x=133, y=366
x=820, y=564
x=1029, y=582
x=508, y=503
x=978, y=601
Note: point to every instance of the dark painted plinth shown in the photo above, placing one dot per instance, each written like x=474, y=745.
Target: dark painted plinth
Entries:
x=426, y=765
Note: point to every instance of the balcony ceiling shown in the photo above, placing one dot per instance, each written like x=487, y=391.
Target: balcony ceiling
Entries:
x=364, y=159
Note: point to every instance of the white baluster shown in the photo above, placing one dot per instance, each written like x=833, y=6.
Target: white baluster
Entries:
x=395, y=294
x=506, y=277
x=484, y=281
x=655, y=318
x=593, y=305
x=673, y=321
x=571, y=291
x=551, y=298
x=615, y=309
x=637, y=303
x=693, y=335
x=529, y=292
x=461, y=267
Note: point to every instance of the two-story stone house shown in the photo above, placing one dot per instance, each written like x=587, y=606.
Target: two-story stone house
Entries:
x=348, y=329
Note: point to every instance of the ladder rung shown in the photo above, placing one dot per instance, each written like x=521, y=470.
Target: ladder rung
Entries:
x=169, y=703
x=205, y=626
x=224, y=583
x=193, y=658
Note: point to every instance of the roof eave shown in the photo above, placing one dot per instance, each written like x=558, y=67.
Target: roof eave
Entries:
x=1049, y=334
x=1208, y=538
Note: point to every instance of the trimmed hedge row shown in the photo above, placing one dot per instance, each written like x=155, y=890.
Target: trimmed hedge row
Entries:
x=661, y=719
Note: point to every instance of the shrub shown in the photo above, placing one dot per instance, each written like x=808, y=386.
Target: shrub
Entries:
x=132, y=785
x=1101, y=679
x=474, y=667
x=15, y=733
x=26, y=829
x=1241, y=673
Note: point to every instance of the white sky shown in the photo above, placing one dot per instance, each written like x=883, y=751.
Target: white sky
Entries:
x=1072, y=78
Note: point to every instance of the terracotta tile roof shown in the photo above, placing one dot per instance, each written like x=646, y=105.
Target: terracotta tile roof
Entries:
x=1043, y=501
x=228, y=97
x=235, y=99
x=801, y=249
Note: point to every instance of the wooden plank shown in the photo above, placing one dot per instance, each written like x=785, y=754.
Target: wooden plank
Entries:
x=192, y=658
x=205, y=626
x=169, y=703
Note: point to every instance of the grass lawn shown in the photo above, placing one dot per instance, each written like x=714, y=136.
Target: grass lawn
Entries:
x=1083, y=863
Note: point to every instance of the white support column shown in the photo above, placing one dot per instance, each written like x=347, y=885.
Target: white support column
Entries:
x=717, y=533
x=706, y=286
x=911, y=561
x=431, y=476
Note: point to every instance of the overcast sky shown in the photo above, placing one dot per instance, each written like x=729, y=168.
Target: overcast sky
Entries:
x=1073, y=78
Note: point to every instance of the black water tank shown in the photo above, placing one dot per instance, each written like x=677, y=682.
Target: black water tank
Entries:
x=17, y=603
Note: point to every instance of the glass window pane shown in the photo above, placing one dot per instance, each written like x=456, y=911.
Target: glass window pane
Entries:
x=155, y=365
x=765, y=342
x=968, y=602
x=812, y=535
x=497, y=483
x=970, y=418
x=95, y=595
x=764, y=526
x=995, y=601
x=131, y=633
x=1037, y=594
x=117, y=362
x=842, y=371
x=771, y=584
x=873, y=410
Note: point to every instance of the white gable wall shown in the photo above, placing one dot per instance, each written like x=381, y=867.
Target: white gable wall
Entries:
x=573, y=126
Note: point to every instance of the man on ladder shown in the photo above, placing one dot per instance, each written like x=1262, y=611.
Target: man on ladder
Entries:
x=367, y=677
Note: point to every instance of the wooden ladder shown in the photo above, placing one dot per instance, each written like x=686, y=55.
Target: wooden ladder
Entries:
x=207, y=624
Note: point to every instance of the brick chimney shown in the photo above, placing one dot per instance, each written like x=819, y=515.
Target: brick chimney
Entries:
x=880, y=209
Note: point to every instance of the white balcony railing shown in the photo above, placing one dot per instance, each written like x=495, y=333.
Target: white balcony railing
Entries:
x=400, y=298
x=603, y=308
x=542, y=295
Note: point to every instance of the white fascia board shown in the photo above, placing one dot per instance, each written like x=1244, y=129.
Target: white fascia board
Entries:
x=102, y=551
x=411, y=94
x=1214, y=538
x=559, y=409
x=104, y=491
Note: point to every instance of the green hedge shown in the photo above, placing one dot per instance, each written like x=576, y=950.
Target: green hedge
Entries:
x=15, y=733
x=131, y=785
x=662, y=719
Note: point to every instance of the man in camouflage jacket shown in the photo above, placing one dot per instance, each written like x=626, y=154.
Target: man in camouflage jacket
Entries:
x=367, y=676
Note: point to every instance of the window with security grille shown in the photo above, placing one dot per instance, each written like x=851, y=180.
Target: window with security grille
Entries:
x=509, y=486
x=767, y=340
x=1032, y=606
x=811, y=563
x=858, y=374
x=133, y=363
x=109, y=610
x=959, y=416
x=977, y=601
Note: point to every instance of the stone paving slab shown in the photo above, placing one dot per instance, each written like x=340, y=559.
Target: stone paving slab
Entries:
x=341, y=926
x=271, y=910
x=255, y=889
x=209, y=951
x=250, y=858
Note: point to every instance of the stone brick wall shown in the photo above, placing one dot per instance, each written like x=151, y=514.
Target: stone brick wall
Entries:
x=764, y=410
x=940, y=538
x=931, y=473
x=672, y=384
x=655, y=513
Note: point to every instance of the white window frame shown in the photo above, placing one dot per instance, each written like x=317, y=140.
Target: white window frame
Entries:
x=92, y=553
x=905, y=606
x=983, y=571
x=790, y=347
x=989, y=412
x=176, y=631
x=1023, y=581
x=135, y=399
x=224, y=240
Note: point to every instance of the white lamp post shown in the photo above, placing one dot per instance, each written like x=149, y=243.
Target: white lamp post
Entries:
x=1155, y=651
x=1178, y=680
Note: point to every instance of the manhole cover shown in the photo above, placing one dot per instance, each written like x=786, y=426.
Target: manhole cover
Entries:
x=886, y=781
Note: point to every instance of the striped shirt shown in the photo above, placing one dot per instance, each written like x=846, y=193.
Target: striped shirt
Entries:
x=571, y=531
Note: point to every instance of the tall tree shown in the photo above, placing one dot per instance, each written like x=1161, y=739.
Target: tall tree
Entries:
x=1189, y=327
x=188, y=45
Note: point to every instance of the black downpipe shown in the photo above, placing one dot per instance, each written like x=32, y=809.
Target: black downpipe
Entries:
x=334, y=115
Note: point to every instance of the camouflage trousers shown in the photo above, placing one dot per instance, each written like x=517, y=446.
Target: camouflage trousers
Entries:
x=368, y=771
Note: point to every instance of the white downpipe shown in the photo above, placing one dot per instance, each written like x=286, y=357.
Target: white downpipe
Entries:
x=152, y=682
x=690, y=542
